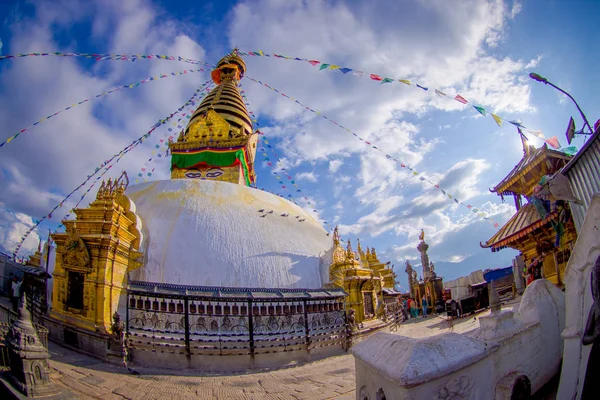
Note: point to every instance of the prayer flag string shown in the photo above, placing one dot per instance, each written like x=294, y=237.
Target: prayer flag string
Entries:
x=162, y=145
x=553, y=141
x=105, y=165
x=107, y=169
x=415, y=173
x=105, y=56
x=288, y=175
x=119, y=88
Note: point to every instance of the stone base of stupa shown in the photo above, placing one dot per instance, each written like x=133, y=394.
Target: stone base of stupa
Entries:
x=49, y=392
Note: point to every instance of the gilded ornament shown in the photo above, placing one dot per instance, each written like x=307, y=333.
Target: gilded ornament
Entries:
x=74, y=252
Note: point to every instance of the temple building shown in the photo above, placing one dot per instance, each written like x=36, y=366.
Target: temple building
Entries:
x=369, y=283
x=543, y=227
x=428, y=285
x=203, y=264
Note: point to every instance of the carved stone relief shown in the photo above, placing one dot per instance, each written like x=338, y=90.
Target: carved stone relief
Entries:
x=457, y=389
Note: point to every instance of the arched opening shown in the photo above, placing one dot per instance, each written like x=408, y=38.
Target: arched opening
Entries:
x=521, y=388
x=380, y=395
x=362, y=394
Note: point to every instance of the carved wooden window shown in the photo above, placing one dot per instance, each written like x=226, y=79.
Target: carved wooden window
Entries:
x=75, y=290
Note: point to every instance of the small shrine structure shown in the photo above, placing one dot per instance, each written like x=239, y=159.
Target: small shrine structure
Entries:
x=368, y=282
x=543, y=227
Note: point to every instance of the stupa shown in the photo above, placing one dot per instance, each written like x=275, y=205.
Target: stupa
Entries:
x=203, y=263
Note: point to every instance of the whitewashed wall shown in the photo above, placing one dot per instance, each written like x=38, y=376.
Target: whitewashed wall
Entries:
x=481, y=365
x=579, y=302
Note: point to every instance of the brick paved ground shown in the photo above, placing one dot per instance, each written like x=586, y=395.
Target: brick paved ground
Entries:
x=331, y=378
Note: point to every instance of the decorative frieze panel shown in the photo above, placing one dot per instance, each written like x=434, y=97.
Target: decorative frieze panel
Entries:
x=201, y=324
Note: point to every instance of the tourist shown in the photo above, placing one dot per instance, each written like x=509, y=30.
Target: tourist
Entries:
x=534, y=270
x=15, y=293
x=424, y=304
x=404, y=306
x=413, y=308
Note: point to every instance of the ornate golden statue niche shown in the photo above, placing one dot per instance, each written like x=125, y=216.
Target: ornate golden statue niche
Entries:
x=219, y=142
x=93, y=257
x=74, y=253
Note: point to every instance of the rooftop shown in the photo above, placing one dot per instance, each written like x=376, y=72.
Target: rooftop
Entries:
x=524, y=221
x=529, y=161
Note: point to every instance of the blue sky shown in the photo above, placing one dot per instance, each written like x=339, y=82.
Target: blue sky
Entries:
x=480, y=49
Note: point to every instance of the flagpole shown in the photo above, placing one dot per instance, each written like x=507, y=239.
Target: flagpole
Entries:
x=48, y=244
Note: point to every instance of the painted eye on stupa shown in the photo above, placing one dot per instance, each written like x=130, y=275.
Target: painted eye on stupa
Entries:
x=193, y=174
x=214, y=173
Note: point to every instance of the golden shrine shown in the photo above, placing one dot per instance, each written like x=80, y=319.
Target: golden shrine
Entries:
x=93, y=258
x=366, y=280
x=552, y=237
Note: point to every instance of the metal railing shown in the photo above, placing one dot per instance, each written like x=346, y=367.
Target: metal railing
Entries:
x=199, y=325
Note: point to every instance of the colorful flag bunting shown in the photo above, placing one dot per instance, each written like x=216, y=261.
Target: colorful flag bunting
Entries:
x=414, y=172
x=117, y=157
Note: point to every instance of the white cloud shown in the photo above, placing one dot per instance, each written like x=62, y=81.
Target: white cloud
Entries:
x=12, y=227
x=334, y=165
x=534, y=63
x=306, y=176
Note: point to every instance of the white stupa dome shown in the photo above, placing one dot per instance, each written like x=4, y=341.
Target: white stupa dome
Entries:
x=211, y=233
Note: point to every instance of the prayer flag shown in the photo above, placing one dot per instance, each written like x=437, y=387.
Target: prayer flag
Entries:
x=497, y=119
x=480, y=109
x=539, y=134
x=553, y=141
x=406, y=81
x=460, y=99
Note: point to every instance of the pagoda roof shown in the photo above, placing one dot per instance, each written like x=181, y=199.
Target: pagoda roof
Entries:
x=529, y=161
x=525, y=221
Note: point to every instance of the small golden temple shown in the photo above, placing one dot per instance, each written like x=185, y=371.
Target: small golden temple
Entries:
x=369, y=283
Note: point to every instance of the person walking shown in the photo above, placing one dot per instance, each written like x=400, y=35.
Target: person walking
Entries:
x=15, y=293
x=412, y=307
x=424, y=304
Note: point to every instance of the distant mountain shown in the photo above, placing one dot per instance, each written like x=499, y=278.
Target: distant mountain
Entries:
x=482, y=261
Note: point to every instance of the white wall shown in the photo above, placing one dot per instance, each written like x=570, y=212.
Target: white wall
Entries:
x=579, y=302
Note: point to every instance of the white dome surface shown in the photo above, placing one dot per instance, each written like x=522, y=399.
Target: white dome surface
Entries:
x=210, y=233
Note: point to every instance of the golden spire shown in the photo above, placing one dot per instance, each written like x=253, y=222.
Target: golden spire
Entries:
x=349, y=252
x=358, y=248
x=336, y=236
x=218, y=142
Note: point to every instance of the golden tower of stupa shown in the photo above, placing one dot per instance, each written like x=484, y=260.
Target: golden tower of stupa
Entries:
x=218, y=143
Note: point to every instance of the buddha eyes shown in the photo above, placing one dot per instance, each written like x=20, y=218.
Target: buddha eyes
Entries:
x=213, y=173
x=193, y=174
x=197, y=174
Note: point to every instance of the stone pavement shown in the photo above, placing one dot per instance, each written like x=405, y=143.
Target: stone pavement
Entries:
x=331, y=378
